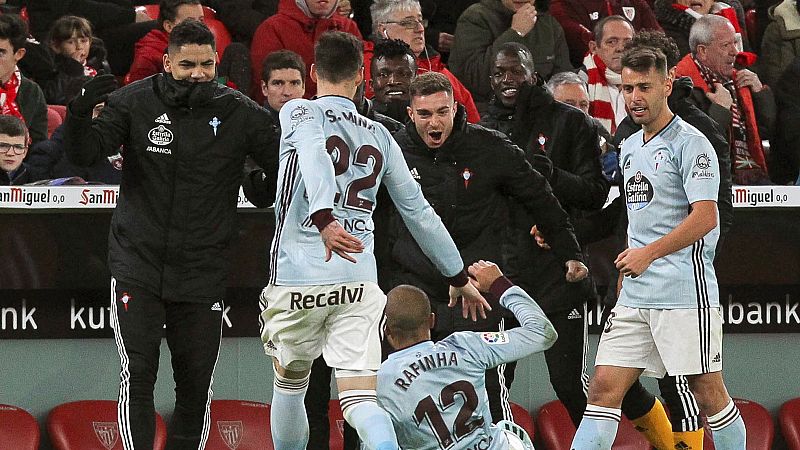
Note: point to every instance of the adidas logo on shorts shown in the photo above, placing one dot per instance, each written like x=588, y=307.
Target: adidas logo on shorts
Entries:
x=717, y=358
x=271, y=345
x=574, y=314
x=216, y=307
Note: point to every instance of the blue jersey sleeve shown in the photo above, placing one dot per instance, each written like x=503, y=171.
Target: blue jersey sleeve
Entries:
x=699, y=169
x=535, y=333
x=301, y=125
x=418, y=215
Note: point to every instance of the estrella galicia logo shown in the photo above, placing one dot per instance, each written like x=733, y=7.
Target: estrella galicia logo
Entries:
x=638, y=192
x=160, y=135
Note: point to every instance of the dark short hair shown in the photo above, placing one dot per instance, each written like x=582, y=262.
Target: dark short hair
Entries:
x=392, y=48
x=659, y=40
x=601, y=24
x=13, y=28
x=13, y=126
x=63, y=29
x=518, y=50
x=282, y=59
x=168, y=9
x=430, y=83
x=338, y=56
x=642, y=59
x=191, y=32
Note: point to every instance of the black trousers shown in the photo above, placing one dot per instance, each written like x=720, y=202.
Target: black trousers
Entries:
x=193, y=331
x=317, y=398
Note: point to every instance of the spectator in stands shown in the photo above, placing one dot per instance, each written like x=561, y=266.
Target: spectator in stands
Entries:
x=242, y=17
x=402, y=19
x=149, y=54
x=22, y=97
x=677, y=17
x=735, y=99
x=442, y=19
x=393, y=67
x=602, y=69
x=117, y=22
x=13, y=149
x=561, y=143
x=486, y=25
x=780, y=44
x=569, y=88
x=77, y=56
x=578, y=18
x=296, y=27
x=49, y=160
x=784, y=155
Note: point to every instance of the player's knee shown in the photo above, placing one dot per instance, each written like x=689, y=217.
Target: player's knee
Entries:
x=605, y=390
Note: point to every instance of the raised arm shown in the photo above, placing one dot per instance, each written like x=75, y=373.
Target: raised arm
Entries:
x=86, y=139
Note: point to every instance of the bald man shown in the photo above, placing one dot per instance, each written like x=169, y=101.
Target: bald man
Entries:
x=429, y=376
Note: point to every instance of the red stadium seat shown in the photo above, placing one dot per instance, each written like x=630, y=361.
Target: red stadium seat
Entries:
x=221, y=35
x=239, y=424
x=18, y=429
x=556, y=430
x=789, y=418
x=336, y=421
x=523, y=418
x=760, y=427
x=54, y=119
x=92, y=425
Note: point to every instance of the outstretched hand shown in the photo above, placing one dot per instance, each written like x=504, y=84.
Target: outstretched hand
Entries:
x=339, y=241
x=472, y=302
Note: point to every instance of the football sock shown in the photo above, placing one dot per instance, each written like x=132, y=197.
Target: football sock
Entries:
x=361, y=410
x=288, y=420
x=728, y=428
x=597, y=429
x=656, y=427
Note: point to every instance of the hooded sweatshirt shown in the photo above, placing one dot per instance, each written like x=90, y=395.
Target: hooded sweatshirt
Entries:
x=293, y=28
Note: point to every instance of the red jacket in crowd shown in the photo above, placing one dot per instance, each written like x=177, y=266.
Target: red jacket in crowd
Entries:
x=148, y=55
x=578, y=18
x=292, y=29
x=428, y=61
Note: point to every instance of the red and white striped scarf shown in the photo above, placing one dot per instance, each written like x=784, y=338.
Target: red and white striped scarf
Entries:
x=8, y=96
x=600, y=106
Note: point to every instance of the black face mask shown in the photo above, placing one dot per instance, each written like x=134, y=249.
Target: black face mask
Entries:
x=187, y=93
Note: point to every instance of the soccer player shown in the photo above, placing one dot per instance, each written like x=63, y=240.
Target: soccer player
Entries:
x=322, y=296
x=185, y=139
x=667, y=318
x=419, y=384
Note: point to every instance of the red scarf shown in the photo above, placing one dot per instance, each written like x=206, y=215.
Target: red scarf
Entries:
x=747, y=154
x=8, y=96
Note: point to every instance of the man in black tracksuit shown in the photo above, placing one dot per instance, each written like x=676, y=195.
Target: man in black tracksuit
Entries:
x=185, y=138
x=562, y=143
x=473, y=177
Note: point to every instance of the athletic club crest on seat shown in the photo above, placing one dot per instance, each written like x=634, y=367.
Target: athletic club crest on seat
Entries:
x=231, y=432
x=107, y=433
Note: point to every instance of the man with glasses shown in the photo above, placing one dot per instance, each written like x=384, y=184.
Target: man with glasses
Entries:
x=13, y=149
x=402, y=19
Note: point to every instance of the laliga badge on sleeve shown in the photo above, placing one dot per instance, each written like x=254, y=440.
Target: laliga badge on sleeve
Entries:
x=495, y=338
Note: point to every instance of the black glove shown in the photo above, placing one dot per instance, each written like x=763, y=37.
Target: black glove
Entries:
x=95, y=91
x=543, y=165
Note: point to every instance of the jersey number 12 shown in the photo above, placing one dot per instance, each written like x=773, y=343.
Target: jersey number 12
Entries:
x=428, y=410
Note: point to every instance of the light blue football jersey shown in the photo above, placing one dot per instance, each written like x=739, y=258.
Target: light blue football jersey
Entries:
x=435, y=393
x=661, y=179
x=333, y=157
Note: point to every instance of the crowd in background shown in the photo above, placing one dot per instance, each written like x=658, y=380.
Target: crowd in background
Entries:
x=50, y=48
